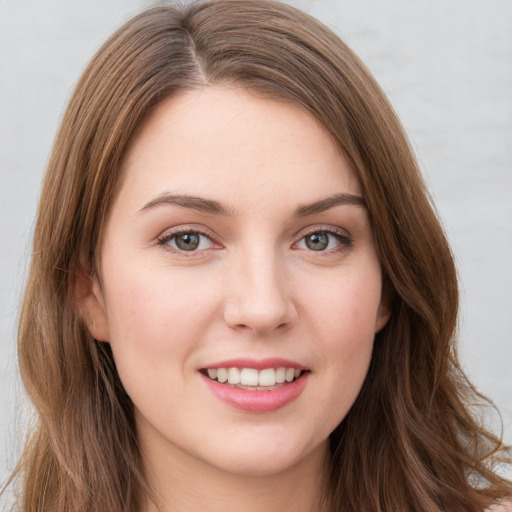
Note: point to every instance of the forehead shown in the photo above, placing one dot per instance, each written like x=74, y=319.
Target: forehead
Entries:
x=227, y=142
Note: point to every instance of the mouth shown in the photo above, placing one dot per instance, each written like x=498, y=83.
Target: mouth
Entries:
x=256, y=385
x=252, y=379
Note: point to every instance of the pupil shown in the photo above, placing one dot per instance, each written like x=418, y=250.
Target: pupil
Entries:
x=317, y=241
x=188, y=241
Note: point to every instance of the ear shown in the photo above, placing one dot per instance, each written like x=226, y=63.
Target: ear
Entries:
x=383, y=313
x=88, y=301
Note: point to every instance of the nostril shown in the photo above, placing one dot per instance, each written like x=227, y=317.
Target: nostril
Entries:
x=257, y=321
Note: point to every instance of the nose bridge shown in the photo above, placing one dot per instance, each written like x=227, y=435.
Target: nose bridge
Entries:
x=259, y=292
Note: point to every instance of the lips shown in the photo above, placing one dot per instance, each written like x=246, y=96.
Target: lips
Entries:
x=256, y=386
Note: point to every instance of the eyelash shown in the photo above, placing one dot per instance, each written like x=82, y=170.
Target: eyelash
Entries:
x=344, y=240
x=164, y=240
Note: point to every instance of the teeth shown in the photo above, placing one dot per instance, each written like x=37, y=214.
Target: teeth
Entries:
x=251, y=377
x=234, y=376
x=267, y=377
x=222, y=374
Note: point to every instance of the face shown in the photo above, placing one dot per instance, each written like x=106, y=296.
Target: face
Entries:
x=239, y=285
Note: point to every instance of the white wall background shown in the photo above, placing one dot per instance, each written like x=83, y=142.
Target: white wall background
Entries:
x=447, y=67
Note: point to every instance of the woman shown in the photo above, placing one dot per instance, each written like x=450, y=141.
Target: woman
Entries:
x=287, y=346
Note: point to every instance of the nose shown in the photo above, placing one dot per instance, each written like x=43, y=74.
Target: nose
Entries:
x=259, y=296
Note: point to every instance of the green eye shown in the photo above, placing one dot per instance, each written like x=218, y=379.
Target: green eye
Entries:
x=187, y=241
x=324, y=241
x=317, y=241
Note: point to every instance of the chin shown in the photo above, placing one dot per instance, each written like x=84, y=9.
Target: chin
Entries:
x=269, y=457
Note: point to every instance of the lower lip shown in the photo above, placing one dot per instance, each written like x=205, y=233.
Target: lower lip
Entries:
x=258, y=401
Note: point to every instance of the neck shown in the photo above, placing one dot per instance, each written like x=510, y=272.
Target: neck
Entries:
x=183, y=484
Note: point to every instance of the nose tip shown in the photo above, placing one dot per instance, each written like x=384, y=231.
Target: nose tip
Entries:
x=259, y=320
x=261, y=302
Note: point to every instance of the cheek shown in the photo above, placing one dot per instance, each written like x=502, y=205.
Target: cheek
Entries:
x=156, y=321
x=344, y=320
x=154, y=327
x=155, y=300
x=345, y=353
x=348, y=306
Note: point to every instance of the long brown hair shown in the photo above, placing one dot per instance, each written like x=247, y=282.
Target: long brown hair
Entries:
x=410, y=442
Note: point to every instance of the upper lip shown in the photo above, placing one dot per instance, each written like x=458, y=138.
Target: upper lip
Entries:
x=257, y=364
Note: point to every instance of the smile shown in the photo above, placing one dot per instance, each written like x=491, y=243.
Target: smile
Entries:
x=256, y=386
x=253, y=379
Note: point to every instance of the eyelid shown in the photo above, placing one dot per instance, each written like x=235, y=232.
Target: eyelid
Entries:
x=325, y=229
x=170, y=233
x=345, y=239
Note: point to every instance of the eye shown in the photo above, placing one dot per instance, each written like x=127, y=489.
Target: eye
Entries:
x=187, y=241
x=323, y=240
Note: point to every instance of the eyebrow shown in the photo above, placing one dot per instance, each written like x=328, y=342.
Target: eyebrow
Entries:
x=328, y=203
x=215, y=208
x=185, y=201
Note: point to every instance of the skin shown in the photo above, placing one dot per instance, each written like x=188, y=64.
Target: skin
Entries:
x=254, y=289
